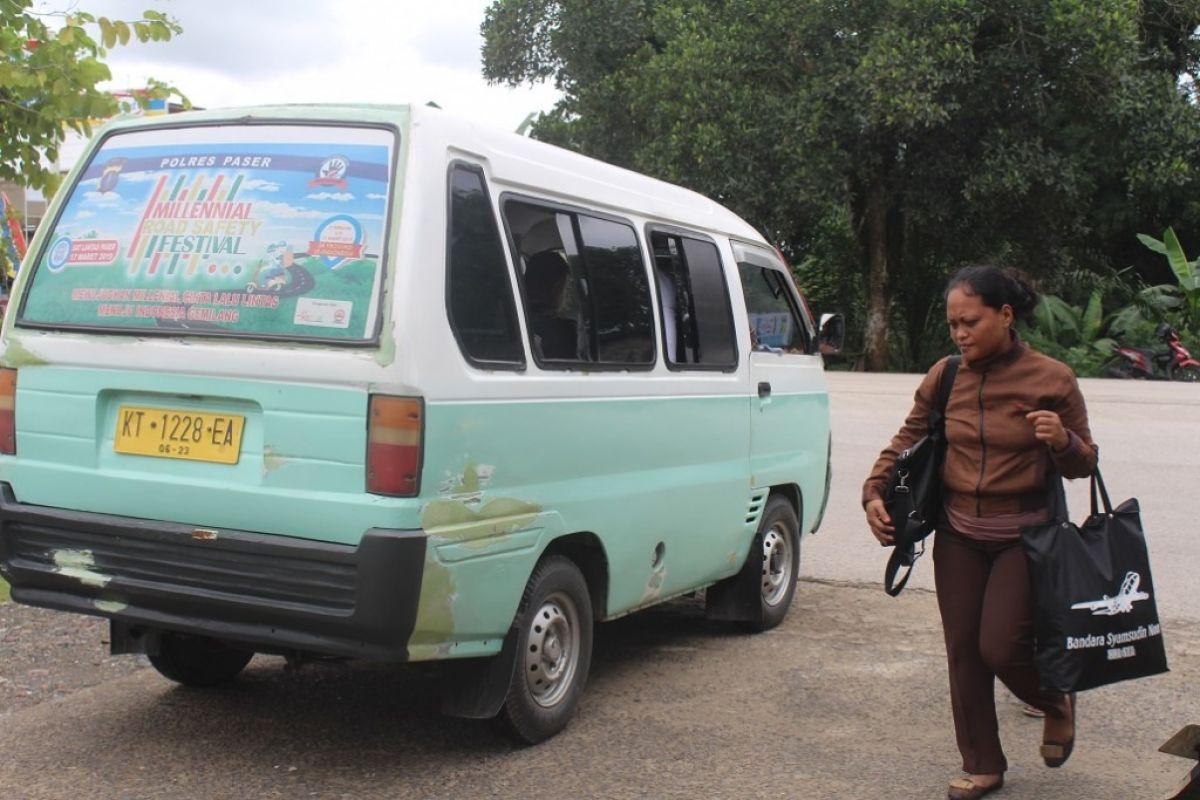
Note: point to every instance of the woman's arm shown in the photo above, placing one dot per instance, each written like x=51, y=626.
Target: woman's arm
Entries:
x=1078, y=457
x=915, y=426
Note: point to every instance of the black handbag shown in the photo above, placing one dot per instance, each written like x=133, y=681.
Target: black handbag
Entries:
x=1094, y=617
x=913, y=497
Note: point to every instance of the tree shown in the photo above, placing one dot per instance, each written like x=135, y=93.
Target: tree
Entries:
x=902, y=137
x=48, y=79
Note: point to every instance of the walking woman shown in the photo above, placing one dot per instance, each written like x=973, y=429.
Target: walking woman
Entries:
x=1013, y=419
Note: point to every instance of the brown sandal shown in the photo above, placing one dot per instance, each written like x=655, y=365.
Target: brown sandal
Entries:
x=967, y=789
x=1054, y=753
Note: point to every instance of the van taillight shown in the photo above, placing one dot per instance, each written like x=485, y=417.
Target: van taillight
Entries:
x=394, y=431
x=8, y=411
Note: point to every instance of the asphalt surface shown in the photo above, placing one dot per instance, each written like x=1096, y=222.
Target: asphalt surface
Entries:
x=847, y=699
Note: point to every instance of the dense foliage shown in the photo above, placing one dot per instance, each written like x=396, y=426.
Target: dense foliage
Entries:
x=883, y=143
x=1122, y=309
x=50, y=66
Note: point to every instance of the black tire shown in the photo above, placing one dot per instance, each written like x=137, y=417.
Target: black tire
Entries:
x=198, y=660
x=554, y=652
x=1188, y=374
x=777, y=544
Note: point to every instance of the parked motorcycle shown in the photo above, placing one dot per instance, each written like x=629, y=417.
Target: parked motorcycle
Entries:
x=1174, y=364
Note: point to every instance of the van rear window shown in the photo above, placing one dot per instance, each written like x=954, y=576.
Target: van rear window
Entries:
x=264, y=231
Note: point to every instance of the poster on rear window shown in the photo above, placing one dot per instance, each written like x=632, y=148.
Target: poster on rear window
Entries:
x=265, y=230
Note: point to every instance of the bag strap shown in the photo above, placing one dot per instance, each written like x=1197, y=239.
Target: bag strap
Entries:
x=945, y=386
x=908, y=558
x=900, y=558
x=1058, y=496
x=1098, y=481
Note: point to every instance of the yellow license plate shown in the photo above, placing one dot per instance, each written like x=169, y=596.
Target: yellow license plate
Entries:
x=178, y=433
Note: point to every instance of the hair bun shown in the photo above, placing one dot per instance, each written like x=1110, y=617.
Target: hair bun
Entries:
x=1024, y=298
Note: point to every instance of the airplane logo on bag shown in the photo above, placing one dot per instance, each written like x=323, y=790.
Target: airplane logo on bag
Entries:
x=1121, y=604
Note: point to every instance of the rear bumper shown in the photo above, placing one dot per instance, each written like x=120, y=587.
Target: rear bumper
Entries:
x=272, y=592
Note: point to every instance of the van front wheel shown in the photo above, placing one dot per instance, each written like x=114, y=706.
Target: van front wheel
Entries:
x=198, y=660
x=778, y=541
x=554, y=652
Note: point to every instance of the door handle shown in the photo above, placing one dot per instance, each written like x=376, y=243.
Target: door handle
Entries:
x=764, y=389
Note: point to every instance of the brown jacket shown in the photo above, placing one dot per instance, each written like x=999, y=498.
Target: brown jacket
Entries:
x=994, y=464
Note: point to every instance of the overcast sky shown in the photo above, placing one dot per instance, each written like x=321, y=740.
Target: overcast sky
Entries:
x=244, y=52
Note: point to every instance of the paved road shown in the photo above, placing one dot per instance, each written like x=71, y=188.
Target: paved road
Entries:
x=1149, y=437
x=845, y=700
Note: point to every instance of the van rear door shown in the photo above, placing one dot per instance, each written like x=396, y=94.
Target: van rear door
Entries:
x=201, y=324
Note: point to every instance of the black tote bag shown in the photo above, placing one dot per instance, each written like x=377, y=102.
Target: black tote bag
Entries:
x=913, y=496
x=1095, y=618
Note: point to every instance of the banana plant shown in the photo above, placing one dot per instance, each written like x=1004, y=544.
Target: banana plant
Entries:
x=1068, y=325
x=1072, y=334
x=1186, y=296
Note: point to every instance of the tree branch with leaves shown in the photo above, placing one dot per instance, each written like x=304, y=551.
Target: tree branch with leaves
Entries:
x=884, y=143
x=51, y=65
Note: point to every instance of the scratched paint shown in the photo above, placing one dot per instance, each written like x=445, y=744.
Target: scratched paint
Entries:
x=456, y=521
x=16, y=355
x=272, y=460
x=386, y=353
x=654, y=584
x=459, y=515
x=81, y=565
x=467, y=484
x=435, y=613
x=110, y=606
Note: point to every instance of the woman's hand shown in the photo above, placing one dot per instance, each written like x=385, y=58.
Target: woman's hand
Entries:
x=1048, y=428
x=880, y=522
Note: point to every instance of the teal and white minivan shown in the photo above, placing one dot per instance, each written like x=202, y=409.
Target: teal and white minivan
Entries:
x=377, y=382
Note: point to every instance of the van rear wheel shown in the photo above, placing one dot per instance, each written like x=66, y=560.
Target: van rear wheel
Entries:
x=554, y=652
x=198, y=660
x=778, y=540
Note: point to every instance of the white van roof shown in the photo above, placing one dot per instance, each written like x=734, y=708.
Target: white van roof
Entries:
x=518, y=163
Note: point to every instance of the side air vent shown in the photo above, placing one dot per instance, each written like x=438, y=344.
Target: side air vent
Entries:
x=755, y=508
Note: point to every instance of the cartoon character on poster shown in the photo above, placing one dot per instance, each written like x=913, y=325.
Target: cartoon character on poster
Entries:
x=272, y=276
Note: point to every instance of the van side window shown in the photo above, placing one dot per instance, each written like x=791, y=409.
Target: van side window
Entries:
x=584, y=283
x=620, y=292
x=478, y=290
x=775, y=324
x=696, y=317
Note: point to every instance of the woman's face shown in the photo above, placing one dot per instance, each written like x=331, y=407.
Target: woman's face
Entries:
x=979, y=330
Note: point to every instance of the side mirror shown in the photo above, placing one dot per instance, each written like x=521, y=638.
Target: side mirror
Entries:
x=832, y=334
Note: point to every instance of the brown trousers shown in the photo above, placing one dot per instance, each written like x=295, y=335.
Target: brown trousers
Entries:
x=987, y=617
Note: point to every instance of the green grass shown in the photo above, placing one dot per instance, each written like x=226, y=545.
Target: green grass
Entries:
x=3, y=591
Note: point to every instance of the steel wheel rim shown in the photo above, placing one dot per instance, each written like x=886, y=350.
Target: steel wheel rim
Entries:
x=552, y=652
x=777, y=564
